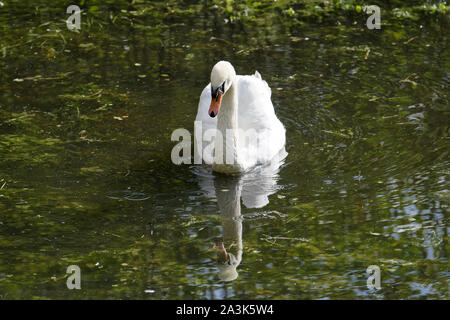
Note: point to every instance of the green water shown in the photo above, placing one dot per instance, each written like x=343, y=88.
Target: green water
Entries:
x=86, y=177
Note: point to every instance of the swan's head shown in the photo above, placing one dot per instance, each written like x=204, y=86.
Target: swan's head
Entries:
x=222, y=77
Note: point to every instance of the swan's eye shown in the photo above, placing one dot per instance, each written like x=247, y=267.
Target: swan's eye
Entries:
x=215, y=93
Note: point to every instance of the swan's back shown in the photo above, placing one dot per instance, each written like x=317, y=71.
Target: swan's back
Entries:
x=255, y=109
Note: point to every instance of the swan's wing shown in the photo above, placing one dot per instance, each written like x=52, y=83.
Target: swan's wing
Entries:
x=256, y=112
x=255, y=106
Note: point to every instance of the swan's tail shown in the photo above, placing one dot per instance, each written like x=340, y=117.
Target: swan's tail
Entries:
x=258, y=75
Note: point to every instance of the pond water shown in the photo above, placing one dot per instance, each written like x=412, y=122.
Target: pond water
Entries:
x=86, y=177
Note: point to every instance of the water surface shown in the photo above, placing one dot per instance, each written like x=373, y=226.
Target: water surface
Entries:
x=86, y=176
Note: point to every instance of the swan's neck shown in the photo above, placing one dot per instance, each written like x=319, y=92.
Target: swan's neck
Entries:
x=227, y=124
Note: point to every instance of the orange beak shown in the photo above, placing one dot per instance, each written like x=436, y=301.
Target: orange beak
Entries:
x=215, y=105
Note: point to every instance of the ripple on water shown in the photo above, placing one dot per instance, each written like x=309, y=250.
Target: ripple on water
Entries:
x=407, y=227
x=129, y=195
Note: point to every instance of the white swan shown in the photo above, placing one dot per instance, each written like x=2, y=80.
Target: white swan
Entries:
x=250, y=132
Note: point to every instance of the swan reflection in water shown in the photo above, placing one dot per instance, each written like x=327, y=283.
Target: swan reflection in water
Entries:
x=254, y=188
